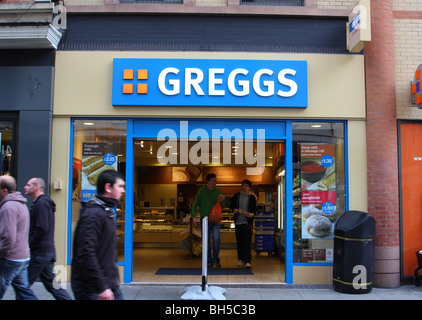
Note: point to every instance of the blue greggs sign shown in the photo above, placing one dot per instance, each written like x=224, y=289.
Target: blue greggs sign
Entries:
x=201, y=82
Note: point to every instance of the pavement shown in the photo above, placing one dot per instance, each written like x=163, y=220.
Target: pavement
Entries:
x=244, y=292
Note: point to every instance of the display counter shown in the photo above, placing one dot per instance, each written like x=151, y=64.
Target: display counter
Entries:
x=158, y=225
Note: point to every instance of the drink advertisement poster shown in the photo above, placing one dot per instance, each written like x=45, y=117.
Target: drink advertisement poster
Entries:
x=318, y=190
x=96, y=158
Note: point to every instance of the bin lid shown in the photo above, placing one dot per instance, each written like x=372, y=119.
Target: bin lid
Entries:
x=355, y=225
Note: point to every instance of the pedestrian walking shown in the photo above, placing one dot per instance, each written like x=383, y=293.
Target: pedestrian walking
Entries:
x=95, y=275
x=14, y=249
x=206, y=198
x=243, y=204
x=41, y=239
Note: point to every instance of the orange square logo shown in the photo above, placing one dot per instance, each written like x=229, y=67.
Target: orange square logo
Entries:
x=127, y=88
x=418, y=99
x=418, y=74
x=142, y=74
x=128, y=74
x=142, y=88
x=414, y=88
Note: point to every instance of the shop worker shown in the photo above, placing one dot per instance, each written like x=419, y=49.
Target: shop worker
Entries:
x=243, y=204
x=95, y=275
x=41, y=239
x=207, y=196
x=14, y=248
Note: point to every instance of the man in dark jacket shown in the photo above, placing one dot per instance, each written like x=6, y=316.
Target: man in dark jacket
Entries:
x=95, y=275
x=41, y=239
x=243, y=205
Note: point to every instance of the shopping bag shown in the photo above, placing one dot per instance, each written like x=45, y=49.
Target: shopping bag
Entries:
x=215, y=215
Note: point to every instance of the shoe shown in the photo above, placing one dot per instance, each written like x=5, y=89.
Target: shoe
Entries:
x=248, y=265
x=218, y=264
x=239, y=262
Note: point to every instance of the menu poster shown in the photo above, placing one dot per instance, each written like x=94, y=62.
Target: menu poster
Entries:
x=96, y=158
x=318, y=190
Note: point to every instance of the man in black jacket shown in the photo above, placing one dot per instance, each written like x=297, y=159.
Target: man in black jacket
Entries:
x=243, y=204
x=41, y=239
x=95, y=275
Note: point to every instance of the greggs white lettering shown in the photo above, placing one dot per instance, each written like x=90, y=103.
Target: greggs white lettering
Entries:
x=210, y=83
x=263, y=82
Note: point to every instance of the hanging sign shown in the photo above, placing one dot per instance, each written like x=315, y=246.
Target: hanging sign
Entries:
x=416, y=88
x=359, y=26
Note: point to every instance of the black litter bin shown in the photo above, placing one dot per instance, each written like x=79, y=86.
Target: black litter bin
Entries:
x=354, y=246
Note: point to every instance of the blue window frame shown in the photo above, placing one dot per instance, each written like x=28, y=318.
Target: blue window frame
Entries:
x=276, y=130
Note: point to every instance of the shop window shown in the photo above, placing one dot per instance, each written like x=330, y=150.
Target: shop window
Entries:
x=7, y=157
x=98, y=145
x=318, y=190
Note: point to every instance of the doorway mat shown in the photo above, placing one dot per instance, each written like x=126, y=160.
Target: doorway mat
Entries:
x=198, y=271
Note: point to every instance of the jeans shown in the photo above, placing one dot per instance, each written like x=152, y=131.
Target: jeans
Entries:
x=243, y=238
x=214, y=231
x=15, y=273
x=41, y=266
x=80, y=295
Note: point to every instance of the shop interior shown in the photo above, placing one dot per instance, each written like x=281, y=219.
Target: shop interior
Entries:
x=163, y=233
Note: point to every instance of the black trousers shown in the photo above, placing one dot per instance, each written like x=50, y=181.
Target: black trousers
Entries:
x=243, y=238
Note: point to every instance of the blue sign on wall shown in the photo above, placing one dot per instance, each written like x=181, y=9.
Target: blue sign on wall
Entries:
x=200, y=82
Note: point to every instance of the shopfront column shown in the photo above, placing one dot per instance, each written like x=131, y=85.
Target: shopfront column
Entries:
x=383, y=197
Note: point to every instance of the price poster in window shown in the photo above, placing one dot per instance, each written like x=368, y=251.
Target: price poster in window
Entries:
x=318, y=190
x=96, y=158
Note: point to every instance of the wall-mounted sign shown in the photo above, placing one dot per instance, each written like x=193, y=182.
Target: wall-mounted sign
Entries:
x=200, y=82
x=359, y=26
x=416, y=88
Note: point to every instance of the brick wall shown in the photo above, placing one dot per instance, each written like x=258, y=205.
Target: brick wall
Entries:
x=381, y=131
x=381, y=125
x=408, y=53
x=336, y=4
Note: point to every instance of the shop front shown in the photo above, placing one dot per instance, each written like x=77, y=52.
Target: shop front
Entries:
x=26, y=115
x=292, y=124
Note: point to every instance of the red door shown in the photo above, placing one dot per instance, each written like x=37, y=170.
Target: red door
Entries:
x=411, y=179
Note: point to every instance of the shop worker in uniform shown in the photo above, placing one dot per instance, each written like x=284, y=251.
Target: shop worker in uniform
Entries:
x=41, y=239
x=94, y=270
x=14, y=248
x=205, y=200
x=243, y=204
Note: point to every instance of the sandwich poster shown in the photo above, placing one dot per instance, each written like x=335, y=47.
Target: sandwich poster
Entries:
x=318, y=190
x=96, y=158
